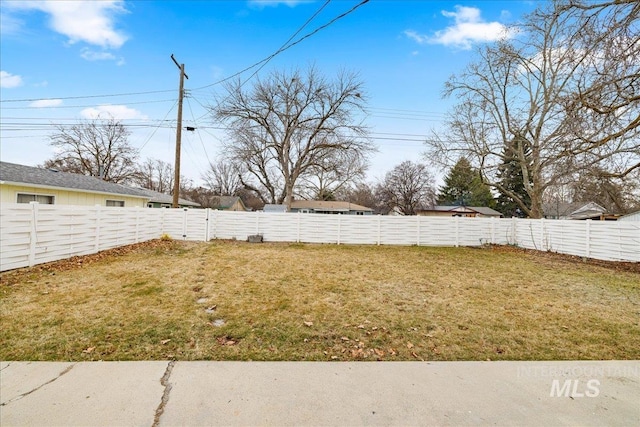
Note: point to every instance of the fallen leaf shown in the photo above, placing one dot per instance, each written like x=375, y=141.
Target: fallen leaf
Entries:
x=344, y=339
x=88, y=350
x=309, y=324
x=360, y=326
x=409, y=345
x=163, y=342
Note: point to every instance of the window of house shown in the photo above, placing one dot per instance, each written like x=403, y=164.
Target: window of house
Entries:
x=42, y=199
x=118, y=203
x=359, y=213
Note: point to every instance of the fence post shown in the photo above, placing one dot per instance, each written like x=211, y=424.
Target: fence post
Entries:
x=206, y=225
x=137, y=211
x=514, y=231
x=418, y=219
x=542, y=245
x=493, y=230
x=184, y=224
x=457, y=221
x=379, y=229
x=298, y=237
x=96, y=248
x=339, y=227
x=588, y=238
x=33, y=235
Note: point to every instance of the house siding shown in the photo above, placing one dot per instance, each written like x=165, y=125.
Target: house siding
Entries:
x=9, y=194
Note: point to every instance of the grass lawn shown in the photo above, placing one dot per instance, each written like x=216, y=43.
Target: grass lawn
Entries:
x=239, y=301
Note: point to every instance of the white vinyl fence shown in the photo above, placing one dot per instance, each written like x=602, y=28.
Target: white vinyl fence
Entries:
x=34, y=234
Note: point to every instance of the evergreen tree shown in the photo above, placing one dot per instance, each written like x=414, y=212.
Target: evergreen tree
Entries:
x=511, y=180
x=463, y=186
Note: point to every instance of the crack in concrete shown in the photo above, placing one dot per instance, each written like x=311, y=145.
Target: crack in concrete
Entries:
x=165, y=395
x=64, y=371
x=8, y=364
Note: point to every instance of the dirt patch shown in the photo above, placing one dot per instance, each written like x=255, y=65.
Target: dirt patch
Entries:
x=632, y=267
x=9, y=278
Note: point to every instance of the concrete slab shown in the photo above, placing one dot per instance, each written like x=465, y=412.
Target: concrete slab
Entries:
x=404, y=393
x=91, y=393
x=320, y=393
x=18, y=379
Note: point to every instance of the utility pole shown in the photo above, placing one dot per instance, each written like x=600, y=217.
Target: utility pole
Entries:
x=176, y=167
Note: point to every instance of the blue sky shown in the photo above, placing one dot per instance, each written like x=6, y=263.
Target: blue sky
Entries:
x=58, y=58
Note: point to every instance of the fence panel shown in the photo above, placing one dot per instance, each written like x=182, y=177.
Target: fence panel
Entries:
x=15, y=235
x=33, y=234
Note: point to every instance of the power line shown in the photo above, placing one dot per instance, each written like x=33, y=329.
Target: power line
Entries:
x=200, y=136
x=83, y=106
x=156, y=129
x=286, y=47
x=86, y=96
x=265, y=60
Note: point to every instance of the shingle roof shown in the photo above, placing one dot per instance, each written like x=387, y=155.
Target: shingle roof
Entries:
x=156, y=197
x=328, y=205
x=484, y=210
x=224, y=202
x=20, y=174
x=574, y=210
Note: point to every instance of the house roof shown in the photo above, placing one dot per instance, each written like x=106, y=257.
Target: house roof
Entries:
x=225, y=202
x=156, y=197
x=483, y=210
x=322, y=205
x=633, y=216
x=48, y=178
x=269, y=207
x=575, y=210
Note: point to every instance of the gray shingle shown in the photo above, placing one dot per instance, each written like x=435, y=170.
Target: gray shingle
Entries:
x=20, y=174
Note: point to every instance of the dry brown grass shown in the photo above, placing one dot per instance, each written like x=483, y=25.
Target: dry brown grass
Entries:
x=319, y=302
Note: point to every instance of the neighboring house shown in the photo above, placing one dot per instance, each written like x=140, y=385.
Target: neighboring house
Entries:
x=329, y=207
x=463, y=211
x=575, y=210
x=161, y=200
x=24, y=184
x=635, y=216
x=228, y=203
x=270, y=208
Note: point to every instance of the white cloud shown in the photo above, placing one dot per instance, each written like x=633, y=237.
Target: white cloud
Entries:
x=91, y=55
x=416, y=37
x=8, y=80
x=266, y=3
x=9, y=24
x=44, y=103
x=468, y=28
x=118, y=112
x=86, y=21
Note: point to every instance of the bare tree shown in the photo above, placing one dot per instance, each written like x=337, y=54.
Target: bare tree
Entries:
x=156, y=175
x=568, y=88
x=223, y=178
x=364, y=194
x=289, y=124
x=334, y=178
x=97, y=148
x=408, y=188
